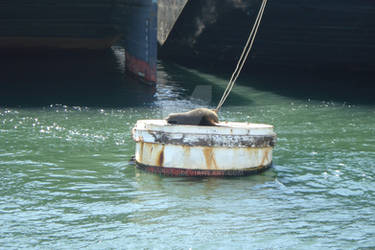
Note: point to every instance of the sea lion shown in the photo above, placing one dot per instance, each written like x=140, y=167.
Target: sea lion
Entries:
x=199, y=116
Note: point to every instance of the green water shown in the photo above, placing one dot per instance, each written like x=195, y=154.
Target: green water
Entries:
x=66, y=180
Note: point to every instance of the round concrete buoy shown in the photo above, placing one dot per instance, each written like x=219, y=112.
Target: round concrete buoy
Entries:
x=228, y=149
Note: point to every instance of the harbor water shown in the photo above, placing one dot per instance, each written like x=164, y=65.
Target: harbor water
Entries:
x=67, y=179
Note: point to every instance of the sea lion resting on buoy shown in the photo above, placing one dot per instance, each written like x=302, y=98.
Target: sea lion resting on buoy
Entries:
x=199, y=116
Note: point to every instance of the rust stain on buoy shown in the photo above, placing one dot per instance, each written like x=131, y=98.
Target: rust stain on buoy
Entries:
x=209, y=158
x=141, y=144
x=186, y=149
x=265, y=157
x=161, y=157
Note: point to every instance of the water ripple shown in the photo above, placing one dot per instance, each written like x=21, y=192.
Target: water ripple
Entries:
x=66, y=180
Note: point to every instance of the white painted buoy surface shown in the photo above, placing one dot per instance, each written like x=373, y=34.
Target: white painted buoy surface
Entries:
x=231, y=148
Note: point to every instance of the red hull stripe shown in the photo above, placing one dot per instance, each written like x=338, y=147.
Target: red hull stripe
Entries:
x=140, y=68
x=197, y=172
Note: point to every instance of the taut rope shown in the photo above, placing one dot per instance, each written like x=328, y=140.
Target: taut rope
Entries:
x=244, y=55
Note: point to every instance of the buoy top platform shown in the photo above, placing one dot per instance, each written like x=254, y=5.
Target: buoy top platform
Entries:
x=228, y=149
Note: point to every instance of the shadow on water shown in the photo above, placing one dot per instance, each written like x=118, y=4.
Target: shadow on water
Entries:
x=329, y=84
x=77, y=78
x=355, y=87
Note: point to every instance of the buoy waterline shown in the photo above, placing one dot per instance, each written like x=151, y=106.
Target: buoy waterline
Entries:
x=228, y=149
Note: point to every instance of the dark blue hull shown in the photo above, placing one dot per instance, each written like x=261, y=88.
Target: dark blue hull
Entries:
x=138, y=21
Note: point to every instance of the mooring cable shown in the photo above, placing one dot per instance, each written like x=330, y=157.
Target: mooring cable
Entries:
x=245, y=53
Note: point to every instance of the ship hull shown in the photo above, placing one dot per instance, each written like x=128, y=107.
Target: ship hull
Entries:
x=293, y=33
x=138, y=21
x=56, y=43
x=89, y=24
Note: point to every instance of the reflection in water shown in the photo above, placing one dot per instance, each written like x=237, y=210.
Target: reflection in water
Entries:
x=76, y=78
x=191, y=186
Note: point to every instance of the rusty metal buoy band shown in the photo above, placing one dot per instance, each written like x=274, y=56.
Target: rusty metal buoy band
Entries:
x=228, y=149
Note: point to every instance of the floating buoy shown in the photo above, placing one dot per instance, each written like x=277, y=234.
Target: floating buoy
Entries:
x=228, y=149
